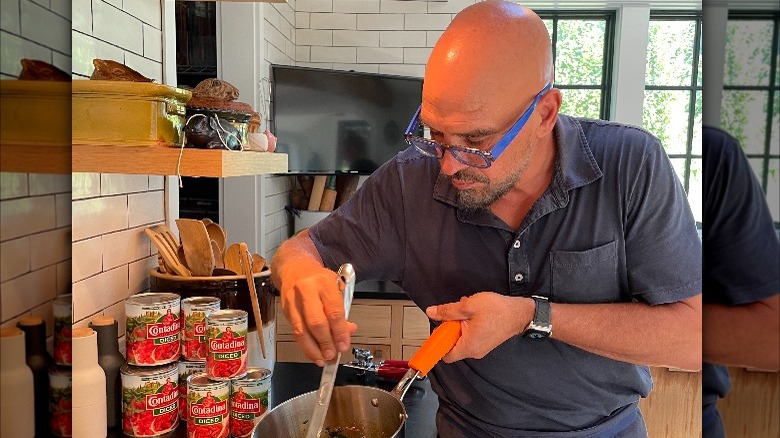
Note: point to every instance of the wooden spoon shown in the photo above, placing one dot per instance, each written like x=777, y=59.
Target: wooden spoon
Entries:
x=217, y=234
x=246, y=262
x=219, y=261
x=258, y=263
x=233, y=258
x=197, y=247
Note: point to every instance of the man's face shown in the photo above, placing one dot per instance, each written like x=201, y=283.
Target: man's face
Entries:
x=477, y=188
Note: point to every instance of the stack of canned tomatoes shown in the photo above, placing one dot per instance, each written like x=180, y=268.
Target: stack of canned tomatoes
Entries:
x=187, y=359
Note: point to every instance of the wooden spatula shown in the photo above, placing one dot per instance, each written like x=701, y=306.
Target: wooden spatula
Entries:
x=197, y=247
x=246, y=269
x=167, y=253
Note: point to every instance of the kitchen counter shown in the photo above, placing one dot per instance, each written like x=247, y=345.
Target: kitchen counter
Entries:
x=293, y=379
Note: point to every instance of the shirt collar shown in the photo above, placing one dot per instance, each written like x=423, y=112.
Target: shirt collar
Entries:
x=575, y=165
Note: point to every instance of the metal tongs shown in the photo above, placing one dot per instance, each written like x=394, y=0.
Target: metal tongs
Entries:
x=346, y=282
x=387, y=369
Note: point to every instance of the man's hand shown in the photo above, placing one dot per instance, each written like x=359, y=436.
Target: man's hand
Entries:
x=311, y=300
x=487, y=320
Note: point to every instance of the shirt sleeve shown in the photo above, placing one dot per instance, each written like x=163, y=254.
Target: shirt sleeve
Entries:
x=741, y=251
x=368, y=230
x=663, y=250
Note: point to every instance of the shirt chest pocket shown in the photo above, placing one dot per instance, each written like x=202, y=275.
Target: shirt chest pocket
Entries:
x=589, y=276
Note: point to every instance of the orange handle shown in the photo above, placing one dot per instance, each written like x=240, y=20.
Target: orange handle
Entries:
x=435, y=347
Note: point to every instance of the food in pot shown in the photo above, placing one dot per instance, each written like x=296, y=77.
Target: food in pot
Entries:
x=153, y=328
x=226, y=331
x=150, y=400
x=108, y=70
x=194, y=311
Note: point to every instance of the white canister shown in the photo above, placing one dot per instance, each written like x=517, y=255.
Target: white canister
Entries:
x=17, y=410
x=89, y=386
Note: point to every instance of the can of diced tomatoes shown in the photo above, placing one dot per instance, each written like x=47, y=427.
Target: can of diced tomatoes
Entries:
x=186, y=369
x=60, y=400
x=62, y=310
x=248, y=401
x=153, y=328
x=194, y=311
x=150, y=399
x=207, y=406
x=226, y=332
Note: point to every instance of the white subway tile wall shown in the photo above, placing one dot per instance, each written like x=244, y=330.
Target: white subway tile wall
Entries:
x=35, y=213
x=129, y=32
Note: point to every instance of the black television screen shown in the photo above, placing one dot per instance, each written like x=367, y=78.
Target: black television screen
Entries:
x=331, y=121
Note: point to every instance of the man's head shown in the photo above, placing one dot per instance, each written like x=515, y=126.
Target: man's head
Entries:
x=483, y=73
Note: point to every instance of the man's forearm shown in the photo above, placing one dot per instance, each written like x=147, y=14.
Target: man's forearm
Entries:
x=663, y=335
x=745, y=336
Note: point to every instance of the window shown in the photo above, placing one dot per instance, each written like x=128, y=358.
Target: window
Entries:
x=582, y=52
x=750, y=107
x=673, y=88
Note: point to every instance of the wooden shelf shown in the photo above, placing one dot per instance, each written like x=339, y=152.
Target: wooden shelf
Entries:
x=161, y=160
x=35, y=158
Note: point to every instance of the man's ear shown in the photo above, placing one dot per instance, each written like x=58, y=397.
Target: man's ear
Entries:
x=547, y=108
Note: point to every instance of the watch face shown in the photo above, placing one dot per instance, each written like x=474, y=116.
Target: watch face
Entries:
x=535, y=335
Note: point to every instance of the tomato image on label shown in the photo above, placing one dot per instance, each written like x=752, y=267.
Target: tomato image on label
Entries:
x=208, y=416
x=62, y=341
x=245, y=410
x=186, y=369
x=60, y=406
x=226, y=357
x=151, y=409
x=194, y=336
x=153, y=338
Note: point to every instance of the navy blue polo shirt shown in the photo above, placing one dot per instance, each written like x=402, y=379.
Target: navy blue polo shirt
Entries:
x=741, y=255
x=614, y=225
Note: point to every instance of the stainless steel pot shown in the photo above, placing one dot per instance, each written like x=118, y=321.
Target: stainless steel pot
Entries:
x=360, y=411
x=368, y=411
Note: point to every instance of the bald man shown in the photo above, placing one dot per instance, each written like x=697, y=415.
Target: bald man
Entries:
x=565, y=247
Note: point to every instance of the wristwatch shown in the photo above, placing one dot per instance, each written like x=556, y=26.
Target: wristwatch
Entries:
x=540, y=326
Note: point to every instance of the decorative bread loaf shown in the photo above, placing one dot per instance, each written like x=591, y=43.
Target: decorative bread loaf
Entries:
x=35, y=70
x=219, y=104
x=108, y=70
x=215, y=89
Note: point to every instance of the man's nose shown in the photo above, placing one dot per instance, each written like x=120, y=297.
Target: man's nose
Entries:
x=449, y=164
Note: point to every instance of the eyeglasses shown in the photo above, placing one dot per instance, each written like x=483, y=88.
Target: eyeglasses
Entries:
x=469, y=156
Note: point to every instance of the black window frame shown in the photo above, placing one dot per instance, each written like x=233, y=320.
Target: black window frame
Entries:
x=693, y=87
x=773, y=89
x=609, y=16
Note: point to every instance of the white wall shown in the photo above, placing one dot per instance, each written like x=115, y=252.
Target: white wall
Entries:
x=253, y=36
x=35, y=258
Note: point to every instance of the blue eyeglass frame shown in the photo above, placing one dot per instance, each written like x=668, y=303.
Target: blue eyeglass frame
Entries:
x=488, y=155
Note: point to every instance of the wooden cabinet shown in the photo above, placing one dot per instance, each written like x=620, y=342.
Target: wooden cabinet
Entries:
x=673, y=408
x=391, y=329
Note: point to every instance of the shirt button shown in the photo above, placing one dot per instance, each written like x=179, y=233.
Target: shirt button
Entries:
x=517, y=244
x=518, y=277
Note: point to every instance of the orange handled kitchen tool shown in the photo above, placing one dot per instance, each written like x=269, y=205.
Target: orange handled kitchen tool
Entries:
x=439, y=343
x=435, y=347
